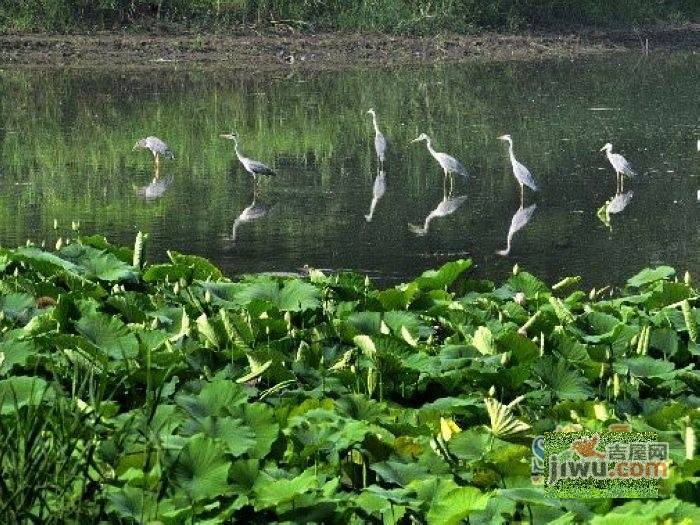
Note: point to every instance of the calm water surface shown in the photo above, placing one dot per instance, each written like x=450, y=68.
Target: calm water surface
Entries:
x=66, y=139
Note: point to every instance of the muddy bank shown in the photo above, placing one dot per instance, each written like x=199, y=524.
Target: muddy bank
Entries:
x=327, y=50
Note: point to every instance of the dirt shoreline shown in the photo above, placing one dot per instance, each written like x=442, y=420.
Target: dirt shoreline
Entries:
x=327, y=50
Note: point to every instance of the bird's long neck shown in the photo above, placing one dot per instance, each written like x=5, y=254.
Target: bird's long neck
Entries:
x=510, y=150
x=430, y=147
x=238, y=152
x=376, y=125
x=608, y=152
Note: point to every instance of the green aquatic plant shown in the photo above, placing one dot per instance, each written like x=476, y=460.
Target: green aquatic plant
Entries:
x=134, y=392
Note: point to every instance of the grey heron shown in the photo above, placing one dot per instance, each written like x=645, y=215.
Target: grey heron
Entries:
x=520, y=172
x=255, y=210
x=378, y=190
x=448, y=163
x=615, y=205
x=156, y=146
x=156, y=188
x=447, y=206
x=379, y=140
x=620, y=165
x=254, y=167
x=519, y=220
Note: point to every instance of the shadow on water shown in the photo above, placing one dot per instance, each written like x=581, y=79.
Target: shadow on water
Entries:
x=66, y=138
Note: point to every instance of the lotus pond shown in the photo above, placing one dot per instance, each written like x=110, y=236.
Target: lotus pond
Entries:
x=167, y=393
x=66, y=139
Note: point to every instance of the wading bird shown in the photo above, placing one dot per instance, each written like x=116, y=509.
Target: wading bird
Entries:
x=379, y=140
x=156, y=189
x=518, y=222
x=255, y=210
x=521, y=173
x=253, y=167
x=378, y=191
x=448, y=163
x=156, y=146
x=621, y=166
x=447, y=206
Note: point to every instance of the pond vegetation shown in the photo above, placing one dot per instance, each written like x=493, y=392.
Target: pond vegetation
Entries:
x=168, y=393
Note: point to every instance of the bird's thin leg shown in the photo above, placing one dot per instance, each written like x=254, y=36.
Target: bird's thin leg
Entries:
x=451, y=184
x=156, y=175
x=444, y=184
x=157, y=160
x=522, y=195
x=622, y=182
x=617, y=187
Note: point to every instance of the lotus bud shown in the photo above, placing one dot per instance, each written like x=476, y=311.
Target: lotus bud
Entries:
x=138, y=250
x=16, y=272
x=183, y=282
x=516, y=269
x=574, y=415
x=55, y=224
x=689, y=442
x=115, y=289
x=176, y=288
x=288, y=320
x=601, y=375
x=43, y=244
x=267, y=331
x=492, y=391
x=154, y=323
x=353, y=369
x=75, y=226
x=372, y=380
x=367, y=281
x=505, y=358
x=541, y=344
x=591, y=294
x=616, y=385
x=207, y=296
x=28, y=243
x=59, y=243
x=519, y=298
x=686, y=279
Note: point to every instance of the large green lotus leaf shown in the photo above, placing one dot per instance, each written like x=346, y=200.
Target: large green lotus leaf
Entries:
x=45, y=263
x=244, y=473
x=650, y=275
x=199, y=267
x=98, y=264
x=399, y=473
x=260, y=418
x=365, y=322
x=665, y=340
x=216, y=398
x=483, y=341
x=666, y=293
x=16, y=306
x=448, y=503
x=649, y=512
x=131, y=502
x=298, y=296
x=442, y=277
x=100, y=242
x=271, y=492
x=396, y=320
x=201, y=470
x=530, y=496
x=528, y=284
x=15, y=351
x=644, y=366
x=498, y=511
x=19, y=391
x=159, y=273
x=469, y=445
x=564, y=382
x=109, y=334
x=237, y=438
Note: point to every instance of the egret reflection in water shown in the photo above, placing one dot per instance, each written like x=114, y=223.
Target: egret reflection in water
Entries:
x=378, y=191
x=615, y=205
x=156, y=189
x=447, y=206
x=255, y=210
x=517, y=223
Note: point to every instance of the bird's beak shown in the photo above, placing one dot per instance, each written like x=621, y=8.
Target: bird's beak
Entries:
x=602, y=149
x=415, y=140
x=135, y=147
x=228, y=136
x=502, y=137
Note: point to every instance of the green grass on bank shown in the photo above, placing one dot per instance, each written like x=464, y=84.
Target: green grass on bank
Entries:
x=391, y=16
x=166, y=393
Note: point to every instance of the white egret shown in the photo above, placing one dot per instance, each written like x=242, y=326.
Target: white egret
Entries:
x=621, y=166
